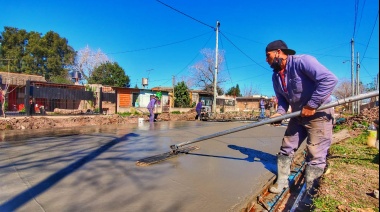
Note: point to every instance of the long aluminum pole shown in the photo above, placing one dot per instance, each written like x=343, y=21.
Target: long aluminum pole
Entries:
x=276, y=119
x=216, y=68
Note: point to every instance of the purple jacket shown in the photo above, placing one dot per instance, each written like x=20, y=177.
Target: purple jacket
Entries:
x=262, y=103
x=308, y=83
x=198, y=107
x=151, y=103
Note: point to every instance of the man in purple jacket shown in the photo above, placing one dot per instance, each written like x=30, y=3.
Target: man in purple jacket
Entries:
x=198, y=109
x=150, y=107
x=301, y=82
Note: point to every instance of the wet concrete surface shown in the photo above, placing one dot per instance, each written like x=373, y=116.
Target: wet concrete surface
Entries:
x=93, y=169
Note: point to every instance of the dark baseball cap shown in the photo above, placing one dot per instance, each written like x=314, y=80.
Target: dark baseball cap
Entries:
x=279, y=44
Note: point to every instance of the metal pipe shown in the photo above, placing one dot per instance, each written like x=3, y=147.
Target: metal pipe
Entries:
x=276, y=119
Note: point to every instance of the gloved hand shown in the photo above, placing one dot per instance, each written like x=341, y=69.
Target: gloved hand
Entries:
x=307, y=111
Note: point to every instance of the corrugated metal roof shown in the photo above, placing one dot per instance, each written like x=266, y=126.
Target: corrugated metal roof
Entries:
x=19, y=79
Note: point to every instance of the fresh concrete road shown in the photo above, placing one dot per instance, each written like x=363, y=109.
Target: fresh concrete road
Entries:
x=93, y=169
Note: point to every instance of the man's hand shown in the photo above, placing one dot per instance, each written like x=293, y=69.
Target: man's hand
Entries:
x=277, y=122
x=275, y=115
x=307, y=111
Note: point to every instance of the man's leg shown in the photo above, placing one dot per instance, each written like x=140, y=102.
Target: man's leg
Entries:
x=319, y=137
x=294, y=135
x=151, y=117
x=283, y=172
x=318, y=142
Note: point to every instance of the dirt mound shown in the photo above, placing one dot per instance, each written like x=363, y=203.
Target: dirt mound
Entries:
x=47, y=122
x=21, y=123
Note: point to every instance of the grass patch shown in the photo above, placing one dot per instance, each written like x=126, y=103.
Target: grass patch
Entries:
x=125, y=114
x=353, y=178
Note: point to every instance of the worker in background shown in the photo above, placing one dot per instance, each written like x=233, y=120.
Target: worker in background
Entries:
x=262, y=107
x=151, y=107
x=32, y=109
x=303, y=83
x=198, y=109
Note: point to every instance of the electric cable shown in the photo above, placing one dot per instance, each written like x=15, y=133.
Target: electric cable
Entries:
x=356, y=6
x=361, y=14
x=185, y=14
x=159, y=46
x=244, y=38
x=191, y=61
x=244, y=52
x=377, y=16
x=225, y=60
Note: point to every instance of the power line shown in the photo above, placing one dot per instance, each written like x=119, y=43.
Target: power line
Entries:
x=191, y=61
x=361, y=14
x=377, y=16
x=243, y=52
x=244, y=38
x=356, y=6
x=225, y=59
x=159, y=46
x=331, y=47
x=185, y=14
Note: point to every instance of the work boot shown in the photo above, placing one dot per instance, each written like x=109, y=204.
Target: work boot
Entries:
x=312, y=177
x=283, y=172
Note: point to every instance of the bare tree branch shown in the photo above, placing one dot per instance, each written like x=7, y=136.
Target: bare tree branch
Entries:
x=87, y=60
x=203, y=72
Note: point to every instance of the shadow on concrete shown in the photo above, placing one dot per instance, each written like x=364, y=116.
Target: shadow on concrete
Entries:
x=268, y=160
x=29, y=194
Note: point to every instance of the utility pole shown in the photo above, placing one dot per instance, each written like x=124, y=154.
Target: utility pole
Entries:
x=216, y=68
x=173, y=81
x=352, y=75
x=357, y=83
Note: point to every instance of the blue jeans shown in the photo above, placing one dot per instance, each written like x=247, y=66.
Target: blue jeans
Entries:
x=262, y=113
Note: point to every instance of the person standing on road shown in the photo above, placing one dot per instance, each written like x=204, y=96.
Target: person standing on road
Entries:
x=262, y=107
x=151, y=107
x=304, y=84
x=198, y=109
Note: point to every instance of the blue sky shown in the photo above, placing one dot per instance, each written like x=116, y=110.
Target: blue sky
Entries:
x=136, y=34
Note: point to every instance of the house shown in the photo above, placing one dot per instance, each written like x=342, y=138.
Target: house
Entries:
x=16, y=89
x=249, y=103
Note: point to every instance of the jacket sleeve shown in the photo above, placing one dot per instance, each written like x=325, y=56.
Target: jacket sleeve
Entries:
x=324, y=79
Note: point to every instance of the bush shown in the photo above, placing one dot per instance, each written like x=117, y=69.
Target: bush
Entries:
x=176, y=112
x=125, y=114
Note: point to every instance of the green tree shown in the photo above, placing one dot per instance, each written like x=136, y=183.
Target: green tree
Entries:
x=210, y=88
x=234, y=91
x=48, y=55
x=110, y=74
x=181, y=95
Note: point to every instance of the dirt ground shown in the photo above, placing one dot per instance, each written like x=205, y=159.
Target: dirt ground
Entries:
x=48, y=122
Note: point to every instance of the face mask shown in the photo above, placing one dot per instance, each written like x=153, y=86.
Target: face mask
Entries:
x=276, y=64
